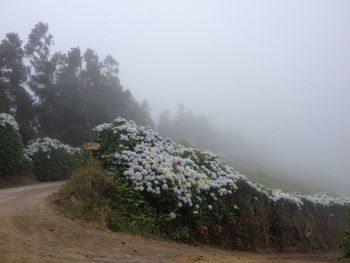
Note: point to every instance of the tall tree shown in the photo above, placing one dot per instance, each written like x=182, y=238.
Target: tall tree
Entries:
x=105, y=96
x=111, y=88
x=70, y=110
x=164, y=124
x=92, y=93
x=73, y=92
x=145, y=117
x=13, y=74
x=38, y=50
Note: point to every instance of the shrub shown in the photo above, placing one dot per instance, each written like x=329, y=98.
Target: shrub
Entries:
x=86, y=190
x=51, y=160
x=11, y=147
x=21, y=177
x=181, y=178
x=345, y=242
x=102, y=197
x=175, y=191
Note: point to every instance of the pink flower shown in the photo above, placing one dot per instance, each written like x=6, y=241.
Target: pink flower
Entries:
x=174, y=164
x=204, y=230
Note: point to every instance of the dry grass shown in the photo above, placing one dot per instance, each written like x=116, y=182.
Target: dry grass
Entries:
x=20, y=178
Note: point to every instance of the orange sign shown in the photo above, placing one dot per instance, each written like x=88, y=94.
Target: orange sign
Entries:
x=91, y=146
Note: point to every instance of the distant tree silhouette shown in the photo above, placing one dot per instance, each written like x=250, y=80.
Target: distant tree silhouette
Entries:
x=14, y=98
x=164, y=124
x=71, y=93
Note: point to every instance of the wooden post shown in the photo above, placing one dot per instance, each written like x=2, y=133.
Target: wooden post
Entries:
x=89, y=169
x=89, y=162
x=90, y=147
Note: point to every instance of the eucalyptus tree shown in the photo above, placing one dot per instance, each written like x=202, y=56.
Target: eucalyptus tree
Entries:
x=14, y=98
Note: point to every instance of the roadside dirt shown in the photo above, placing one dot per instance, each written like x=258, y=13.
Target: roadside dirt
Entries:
x=30, y=231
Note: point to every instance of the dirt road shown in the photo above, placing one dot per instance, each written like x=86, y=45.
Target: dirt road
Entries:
x=30, y=231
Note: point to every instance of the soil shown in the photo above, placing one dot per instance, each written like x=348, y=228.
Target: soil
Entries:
x=31, y=231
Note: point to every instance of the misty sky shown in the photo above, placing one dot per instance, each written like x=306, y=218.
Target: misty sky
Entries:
x=277, y=72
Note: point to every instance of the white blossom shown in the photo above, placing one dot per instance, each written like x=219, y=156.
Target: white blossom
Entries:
x=172, y=215
x=6, y=120
x=46, y=145
x=160, y=165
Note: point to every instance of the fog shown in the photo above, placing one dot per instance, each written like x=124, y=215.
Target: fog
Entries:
x=275, y=72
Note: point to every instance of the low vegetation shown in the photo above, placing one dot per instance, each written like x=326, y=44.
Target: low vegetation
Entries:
x=19, y=178
x=345, y=242
x=154, y=186
x=45, y=159
x=50, y=159
x=11, y=146
x=145, y=184
x=96, y=196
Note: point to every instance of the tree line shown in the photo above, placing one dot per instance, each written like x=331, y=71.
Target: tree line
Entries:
x=64, y=95
x=188, y=128
x=61, y=95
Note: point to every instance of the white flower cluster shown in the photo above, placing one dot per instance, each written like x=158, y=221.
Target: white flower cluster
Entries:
x=46, y=145
x=298, y=198
x=324, y=199
x=156, y=165
x=102, y=127
x=8, y=120
x=277, y=195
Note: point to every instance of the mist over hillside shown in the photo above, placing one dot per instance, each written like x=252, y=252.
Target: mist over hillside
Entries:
x=199, y=131
x=130, y=127
x=271, y=77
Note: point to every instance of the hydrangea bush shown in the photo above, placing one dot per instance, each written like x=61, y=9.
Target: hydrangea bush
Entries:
x=50, y=159
x=345, y=241
x=345, y=244
x=190, y=187
x=11, y=147
x=6, y=120
x=183, y=177
x=156, y=165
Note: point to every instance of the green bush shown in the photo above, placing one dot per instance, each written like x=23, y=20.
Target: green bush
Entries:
x=11, y=146
x=56, y=165
x=345, y=242
x=102, y=197
x=151, y=185
x=51, y=160
x=181, y=190
x=129, y=211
